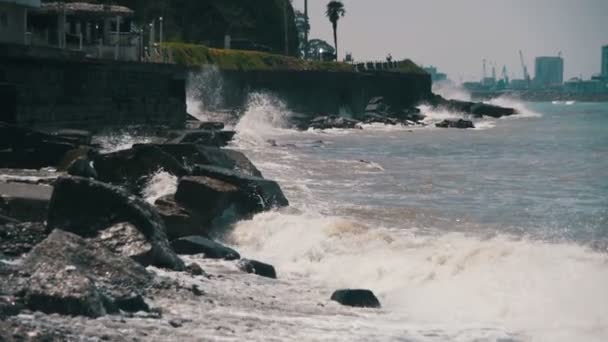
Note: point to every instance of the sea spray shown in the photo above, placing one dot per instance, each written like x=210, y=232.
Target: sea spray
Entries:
x=160, y=184
x=551, y=291
x=204, y=92
x=265, y=114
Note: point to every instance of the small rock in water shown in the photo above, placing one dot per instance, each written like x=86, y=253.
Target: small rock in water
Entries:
x=199, y=245
x=256, y=267
x=176, y=323
x=195, y=269
x=460, y=123
x=356, y=298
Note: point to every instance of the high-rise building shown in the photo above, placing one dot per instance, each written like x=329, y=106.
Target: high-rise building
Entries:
x=549, y=71
x=605, y=61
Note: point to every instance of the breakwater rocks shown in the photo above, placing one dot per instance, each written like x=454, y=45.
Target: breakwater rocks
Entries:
x=88, y=250
x=378, y=111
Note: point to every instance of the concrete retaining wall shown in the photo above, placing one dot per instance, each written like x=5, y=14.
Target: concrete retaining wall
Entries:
x=76, y=92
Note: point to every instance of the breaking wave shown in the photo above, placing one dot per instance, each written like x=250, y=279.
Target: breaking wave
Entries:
x=553, y=292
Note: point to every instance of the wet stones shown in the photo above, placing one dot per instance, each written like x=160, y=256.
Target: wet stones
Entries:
x=72, y=276
x=332, y=121
x=132, y=167
x=256, y=267
x=208, y=137
x=86, y=207
x=192, y=245
x=356, y=298
x=460, y=123
x=179, y=222
x=18, y=238
x=193, y=154
x=25, y=202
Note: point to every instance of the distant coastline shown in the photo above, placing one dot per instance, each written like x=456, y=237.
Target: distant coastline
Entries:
x=541, y=96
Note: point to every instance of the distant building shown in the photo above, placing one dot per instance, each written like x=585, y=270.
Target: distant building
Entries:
x=436, y=76
x=549, y=72
x=605, y=61
x=100, y=31
x=13, y=20
x=576, y=85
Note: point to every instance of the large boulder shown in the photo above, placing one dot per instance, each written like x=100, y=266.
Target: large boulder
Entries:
x=207, y=197
x=262, y=194
x=356, y=298
x=222, y=196
x=193, y=154
x=179, y=222
x=256, y=267
x=17, y=239
x=209, y=137
x=86, y=207
x=460, y=123
x=483, y=109
x=132, y=167
x=72, y=276
x=124, y=239
x=24, y=148
x=328, y=122
x=192, y=245
x=25, y=202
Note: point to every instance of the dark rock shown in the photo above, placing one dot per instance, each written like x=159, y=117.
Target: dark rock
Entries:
x=24, y=148
x=25, y=202
x=76, y=136
x=210, y=125
x=192, y=154
x=477, y=109
x=132, y=167
x=124, y=239
x=199, y=245
x=356, y=298
x=203, y=137
x=482, y=109
x=132, y=303
x=256, y=267
x=207, y=197
x=19, y=238
x=82, y=167
x=196, y=291
x=262, y=194
x=175, y=323
x=6, y=219
x=9, y=306
x=460, y=123
x=72, y=276
x=82, y=152
x=376, y=118
x=195, y=269
x=221, y=196
x=86, y=207
x=179, y=222
x=328, y=122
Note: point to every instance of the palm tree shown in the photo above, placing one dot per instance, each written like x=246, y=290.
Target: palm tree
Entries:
x=335, y=10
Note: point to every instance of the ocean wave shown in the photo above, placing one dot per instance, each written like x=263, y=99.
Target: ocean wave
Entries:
x=448, y=279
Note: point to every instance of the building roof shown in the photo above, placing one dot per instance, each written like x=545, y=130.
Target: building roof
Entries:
x=85, y=9
x=26, y=3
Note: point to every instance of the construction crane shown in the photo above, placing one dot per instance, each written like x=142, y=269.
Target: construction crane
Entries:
x=505, y=75
x=524, y=67
x=483, y=77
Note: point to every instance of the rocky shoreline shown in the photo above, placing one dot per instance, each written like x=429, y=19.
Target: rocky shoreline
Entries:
x=378, y=111
x=80, y=246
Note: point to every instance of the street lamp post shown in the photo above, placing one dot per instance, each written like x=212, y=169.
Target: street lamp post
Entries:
x=161, y=30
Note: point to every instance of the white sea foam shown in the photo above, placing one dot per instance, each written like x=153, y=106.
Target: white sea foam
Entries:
x=119, y=141
x=550, y=292
x=266, y=115
x=161, y=183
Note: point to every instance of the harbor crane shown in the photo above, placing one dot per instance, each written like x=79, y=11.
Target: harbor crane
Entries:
x=524, y=67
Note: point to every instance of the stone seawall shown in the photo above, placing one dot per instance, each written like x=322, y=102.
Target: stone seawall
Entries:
x=77, y=92
x=326, y=92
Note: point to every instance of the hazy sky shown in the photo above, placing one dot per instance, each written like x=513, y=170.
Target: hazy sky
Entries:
x=456, y=35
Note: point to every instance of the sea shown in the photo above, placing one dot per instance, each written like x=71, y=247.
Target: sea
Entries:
x=498, y=233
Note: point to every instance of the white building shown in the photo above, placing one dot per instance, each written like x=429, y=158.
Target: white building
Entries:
x=13, y=20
